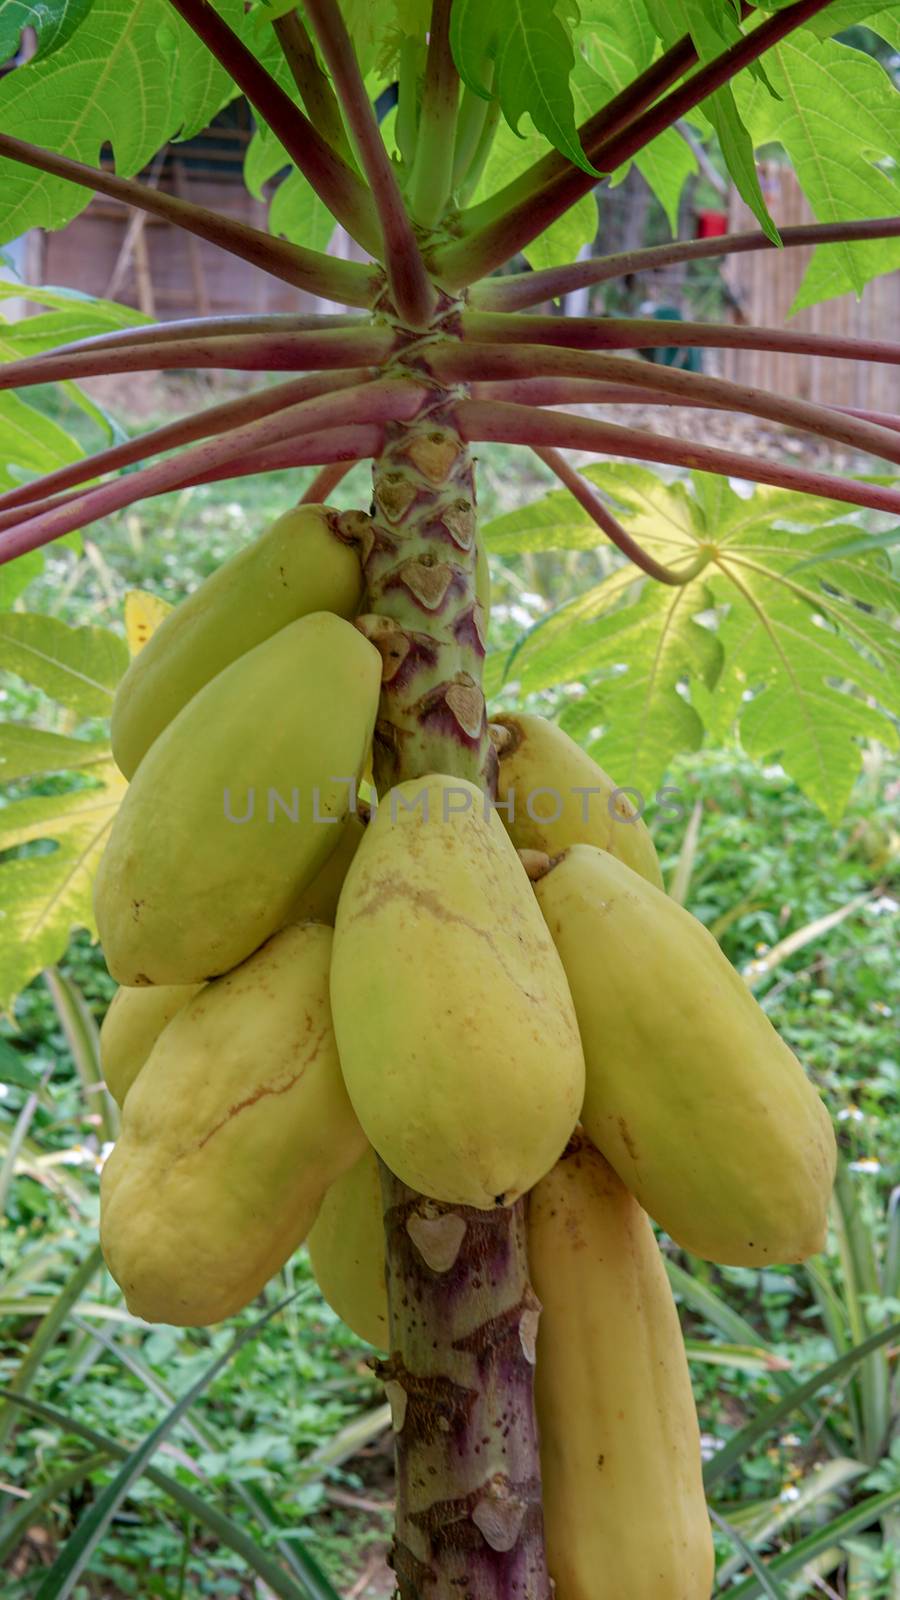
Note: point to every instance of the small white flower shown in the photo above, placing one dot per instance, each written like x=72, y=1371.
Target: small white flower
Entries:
x=865, y=1164
x=77, y=1156
x=789, y=1493
x=850, y=1114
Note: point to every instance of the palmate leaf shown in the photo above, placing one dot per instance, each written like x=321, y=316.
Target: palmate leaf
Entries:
x=783, y=635
x=54, y=21
x=46, y=896
x=132, y=74
x=79, y=667
x=712, y=35
x=533, y=56
x=838, y=119
x=50, y=843
x=31, y=442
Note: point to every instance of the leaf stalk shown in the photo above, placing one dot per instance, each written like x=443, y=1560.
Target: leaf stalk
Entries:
x=347, y=282
x=512, y=424
x=458, y=264
x=522, y=289
x=413, y=295
x=590, y=501
x=334, y=182
x=431, y=179
x=264, y=352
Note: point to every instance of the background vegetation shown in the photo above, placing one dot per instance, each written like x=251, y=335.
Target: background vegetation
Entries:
x=763, y=869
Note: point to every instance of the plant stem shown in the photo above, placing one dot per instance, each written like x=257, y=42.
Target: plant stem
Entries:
x=341, y=189
x=202, y=425
x=588, y=498
x=516, y=362
x=511, y=424
x=648, y=333
x=312, y=83
x=366, y=347
x=460, y=263
x=431, y=180
x=522, y=289
x=459, y=1377
x=412, y=293
x=347, y=282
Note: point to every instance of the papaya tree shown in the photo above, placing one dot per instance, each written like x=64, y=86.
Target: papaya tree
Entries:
x=438, y=348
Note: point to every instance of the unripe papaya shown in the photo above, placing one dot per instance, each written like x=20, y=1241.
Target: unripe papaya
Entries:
x=346, y=1248
x=561, y=797
x=624, y=1507
x=299, y=565
x=318, y=902
x=237, y=805
x=693, y=1098
x=454, y=1022
x=230, y=1137
x=131, y=1027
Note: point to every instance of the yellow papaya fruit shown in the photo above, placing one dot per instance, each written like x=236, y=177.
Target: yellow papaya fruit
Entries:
x=624, y=1507
x=299, y=565
x=691, y=1095
x=453, y=1019
x=131, y=1027
x=346, y=1248
x=230, y=1137
x=237, y=805
x=558, y=797
x=318, y=901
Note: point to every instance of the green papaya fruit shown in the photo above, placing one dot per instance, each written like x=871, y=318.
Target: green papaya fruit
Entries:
x=695, y=1101
x=346, y=1249
x=131, y=1027
x=237, y=805
x=231, y=1135
x=454, y=1023
x=551, y=795
x=624, y=1508
x=318, y=901
x=299, y=565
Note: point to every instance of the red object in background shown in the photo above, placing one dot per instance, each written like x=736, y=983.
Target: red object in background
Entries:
x=711, y=224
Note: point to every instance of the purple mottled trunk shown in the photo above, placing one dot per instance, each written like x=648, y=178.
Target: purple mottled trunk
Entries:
x=463, y=1318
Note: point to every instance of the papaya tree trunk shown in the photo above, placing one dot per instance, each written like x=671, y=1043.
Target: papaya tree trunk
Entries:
x=463, y=1318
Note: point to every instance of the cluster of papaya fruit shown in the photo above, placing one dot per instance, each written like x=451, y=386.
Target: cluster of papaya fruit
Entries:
x=495, y=1000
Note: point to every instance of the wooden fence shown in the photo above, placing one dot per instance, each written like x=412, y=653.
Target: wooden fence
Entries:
x=765, y=284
